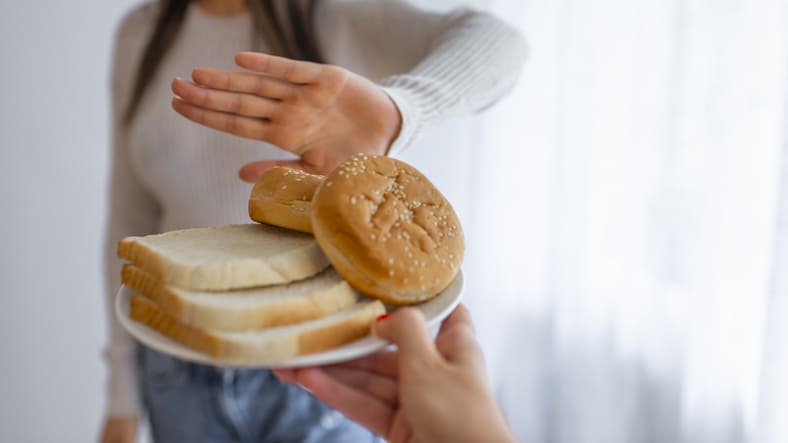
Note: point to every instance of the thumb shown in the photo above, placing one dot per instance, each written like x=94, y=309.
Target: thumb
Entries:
x=251, y=172
x=408, y=330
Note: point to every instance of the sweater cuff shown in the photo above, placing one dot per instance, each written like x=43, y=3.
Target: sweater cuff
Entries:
x=122, y=393
x=411, y=119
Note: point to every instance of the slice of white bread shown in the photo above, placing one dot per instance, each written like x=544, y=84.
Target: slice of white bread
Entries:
x=265, y=346
x=245, y=309
x=226, y=257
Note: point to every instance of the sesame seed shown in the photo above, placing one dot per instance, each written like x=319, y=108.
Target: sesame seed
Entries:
x=284, y=187
x=391, y=273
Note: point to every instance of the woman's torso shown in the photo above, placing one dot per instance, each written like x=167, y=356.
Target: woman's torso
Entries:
x=191, y=170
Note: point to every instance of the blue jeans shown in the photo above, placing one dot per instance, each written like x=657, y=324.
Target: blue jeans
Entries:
x=188, y=402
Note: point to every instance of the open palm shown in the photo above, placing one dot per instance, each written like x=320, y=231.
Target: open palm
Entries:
x=322, y=113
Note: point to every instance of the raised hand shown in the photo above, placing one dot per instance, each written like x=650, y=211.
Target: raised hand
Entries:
x=322, y=113
x=424, y=391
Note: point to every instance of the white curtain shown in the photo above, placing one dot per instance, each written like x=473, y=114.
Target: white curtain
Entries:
x=628, y=243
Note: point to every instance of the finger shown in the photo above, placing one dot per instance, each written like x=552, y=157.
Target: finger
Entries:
x=401, y=430
x=459, y=345
x=361, y=376
x=251, y=172
x=286, y=375
x=248, y=127
x=246, y=82
x=230, y=102
x=383, y=363
x=457, y=338
x=358, y=406
x=280, y=67
x=383, y=388
x=460, y=316
x=408, y=330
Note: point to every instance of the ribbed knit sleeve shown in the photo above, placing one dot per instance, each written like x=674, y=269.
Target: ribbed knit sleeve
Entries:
x=440, y=65
x=472, y=64
x=132, y=211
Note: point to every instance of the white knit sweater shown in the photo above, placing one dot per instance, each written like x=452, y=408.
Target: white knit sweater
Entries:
x=169, y=173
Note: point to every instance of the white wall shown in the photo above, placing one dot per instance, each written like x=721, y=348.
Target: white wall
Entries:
x=53, y=132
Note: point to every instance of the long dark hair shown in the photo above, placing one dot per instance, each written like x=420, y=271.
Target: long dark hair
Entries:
x=286, y=27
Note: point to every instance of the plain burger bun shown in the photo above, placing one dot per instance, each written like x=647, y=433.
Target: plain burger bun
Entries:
x=387, y=230
x=283, y=197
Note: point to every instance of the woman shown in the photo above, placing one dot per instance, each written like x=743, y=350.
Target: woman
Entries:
x=402, y=69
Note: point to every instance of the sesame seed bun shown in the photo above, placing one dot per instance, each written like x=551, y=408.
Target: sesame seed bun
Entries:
x=283, y=197
x=387, y=229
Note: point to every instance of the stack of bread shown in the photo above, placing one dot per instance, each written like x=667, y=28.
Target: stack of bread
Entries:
x=311, y=275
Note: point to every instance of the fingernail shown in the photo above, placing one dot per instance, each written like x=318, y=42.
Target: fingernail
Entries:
x=382, y=317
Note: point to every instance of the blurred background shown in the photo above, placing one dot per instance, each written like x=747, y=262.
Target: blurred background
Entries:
x=626, y=209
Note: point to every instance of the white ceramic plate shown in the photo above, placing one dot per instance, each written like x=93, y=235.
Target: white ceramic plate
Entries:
x=435, y=310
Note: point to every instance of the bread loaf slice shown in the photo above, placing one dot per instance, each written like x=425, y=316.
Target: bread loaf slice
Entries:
x=245, y=309
x=226, y=257
x=266, y=346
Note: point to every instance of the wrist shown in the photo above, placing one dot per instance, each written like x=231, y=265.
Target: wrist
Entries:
x=409, y=117
x=387, y=128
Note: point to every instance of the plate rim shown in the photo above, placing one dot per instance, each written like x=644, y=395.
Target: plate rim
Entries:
x=444, y=303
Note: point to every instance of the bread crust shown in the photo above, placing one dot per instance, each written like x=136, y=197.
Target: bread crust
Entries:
x=333, y=297
x=147, y=312
x=225, y=257
x=283, y=197
x=387, y=229
x=266, y=346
